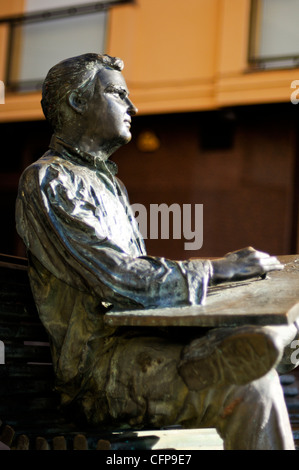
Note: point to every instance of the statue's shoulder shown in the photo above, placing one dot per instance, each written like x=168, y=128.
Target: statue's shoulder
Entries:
x=40, y=173
x=48, y=163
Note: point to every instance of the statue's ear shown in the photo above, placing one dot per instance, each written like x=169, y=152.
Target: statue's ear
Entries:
x=77, y=102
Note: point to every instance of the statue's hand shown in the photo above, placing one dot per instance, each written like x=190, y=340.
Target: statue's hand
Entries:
x=243, y=264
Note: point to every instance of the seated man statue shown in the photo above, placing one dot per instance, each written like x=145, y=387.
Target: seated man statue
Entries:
x=86, y=256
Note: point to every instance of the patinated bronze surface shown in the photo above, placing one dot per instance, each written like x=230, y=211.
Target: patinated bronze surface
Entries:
x=270, y=301
x=87, y=257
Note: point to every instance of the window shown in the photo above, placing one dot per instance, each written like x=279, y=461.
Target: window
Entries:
x=40, y=39
x=274, y=34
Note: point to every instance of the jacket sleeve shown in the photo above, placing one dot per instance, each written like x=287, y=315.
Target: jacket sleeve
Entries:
x=67, y=235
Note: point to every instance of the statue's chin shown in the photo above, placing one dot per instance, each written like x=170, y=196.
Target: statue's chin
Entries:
x=125, y=138
x=115, y=144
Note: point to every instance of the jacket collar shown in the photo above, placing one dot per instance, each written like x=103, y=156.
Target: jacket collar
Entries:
x=81, y=157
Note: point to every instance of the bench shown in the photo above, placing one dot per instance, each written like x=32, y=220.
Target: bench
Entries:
x=29, y=407
x=30, y=415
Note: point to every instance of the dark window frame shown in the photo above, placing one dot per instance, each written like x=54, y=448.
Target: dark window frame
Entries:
x=45, y=16
x=265, y=63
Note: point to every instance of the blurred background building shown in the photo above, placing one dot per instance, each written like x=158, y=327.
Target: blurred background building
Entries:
x=215, y=82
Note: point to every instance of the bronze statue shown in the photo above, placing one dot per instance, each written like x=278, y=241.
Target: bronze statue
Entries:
x=86, y=256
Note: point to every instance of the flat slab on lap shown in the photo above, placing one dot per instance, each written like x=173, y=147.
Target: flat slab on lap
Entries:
x=270, y=301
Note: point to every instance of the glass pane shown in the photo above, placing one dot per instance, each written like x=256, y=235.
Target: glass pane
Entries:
x=38, y=46
x=276, y=29
x=39, y=5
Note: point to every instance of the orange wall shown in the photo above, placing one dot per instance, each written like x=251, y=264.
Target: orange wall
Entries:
x=7, y=8
x=179, y=56
x=170, y=51
x=185, y=56
x=11, y=7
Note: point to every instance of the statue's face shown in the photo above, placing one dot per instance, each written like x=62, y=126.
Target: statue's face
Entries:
x=109, y=111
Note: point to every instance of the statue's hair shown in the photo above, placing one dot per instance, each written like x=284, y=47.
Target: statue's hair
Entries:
x=76, y=73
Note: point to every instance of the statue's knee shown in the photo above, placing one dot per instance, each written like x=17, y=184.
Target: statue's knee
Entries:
x=264, y=389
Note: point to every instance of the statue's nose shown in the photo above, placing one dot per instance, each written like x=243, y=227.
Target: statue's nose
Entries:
x=132, y=108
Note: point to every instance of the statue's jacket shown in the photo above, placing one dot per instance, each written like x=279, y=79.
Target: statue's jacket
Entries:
x=86, y=255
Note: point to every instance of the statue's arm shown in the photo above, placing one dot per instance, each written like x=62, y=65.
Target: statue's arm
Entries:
x=65, y=233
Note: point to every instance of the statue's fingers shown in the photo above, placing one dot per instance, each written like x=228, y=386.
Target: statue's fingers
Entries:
x=260, y=255
x=271, y=263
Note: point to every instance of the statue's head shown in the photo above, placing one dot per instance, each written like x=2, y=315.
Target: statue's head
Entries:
x=88, y=89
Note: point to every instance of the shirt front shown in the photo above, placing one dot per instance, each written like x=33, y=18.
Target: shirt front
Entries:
x=86, y=254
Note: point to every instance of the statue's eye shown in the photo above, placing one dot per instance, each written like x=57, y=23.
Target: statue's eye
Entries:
x=119, y=92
